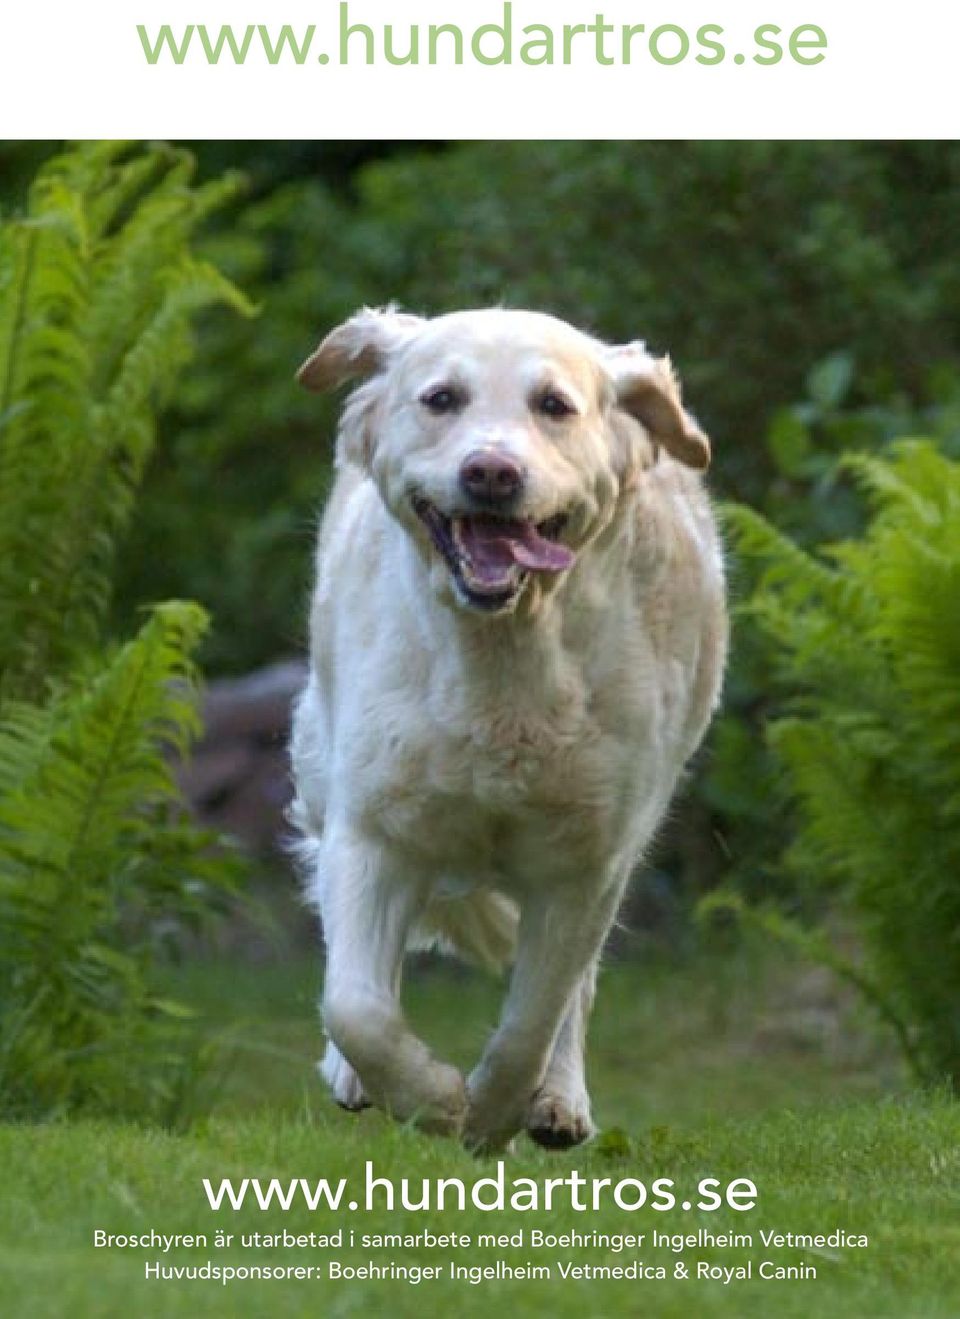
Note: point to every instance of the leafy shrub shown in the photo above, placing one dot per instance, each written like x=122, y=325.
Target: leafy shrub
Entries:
x=811, y=497
x=865, y=643
x=97, y=290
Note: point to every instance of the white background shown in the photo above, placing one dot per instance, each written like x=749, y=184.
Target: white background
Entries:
x=77, y=70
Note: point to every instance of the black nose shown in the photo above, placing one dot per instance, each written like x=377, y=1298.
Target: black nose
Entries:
x=489, y=477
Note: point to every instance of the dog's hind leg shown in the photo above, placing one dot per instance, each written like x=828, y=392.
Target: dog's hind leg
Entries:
x=367, y=915
x=559, y=1113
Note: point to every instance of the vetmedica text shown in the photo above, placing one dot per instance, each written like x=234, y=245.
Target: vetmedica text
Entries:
x=531, y=1239
x=636, y=1271
x=345, y=1254
x=664, y=1255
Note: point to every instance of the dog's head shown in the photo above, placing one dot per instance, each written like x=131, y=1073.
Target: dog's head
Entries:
x=503, y=441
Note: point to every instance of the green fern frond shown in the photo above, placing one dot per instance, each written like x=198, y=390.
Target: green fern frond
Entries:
x=97, y=293
x=868, y=663
x=78, y=775
x=98, y=289
x=79, y=790
x=801, y=578
x=915, y=479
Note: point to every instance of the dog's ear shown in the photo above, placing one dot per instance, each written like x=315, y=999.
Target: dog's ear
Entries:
x=648, y=389
x=358, y=348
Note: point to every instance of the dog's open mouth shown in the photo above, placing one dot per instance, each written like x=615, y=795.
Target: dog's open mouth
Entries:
x=491, y=558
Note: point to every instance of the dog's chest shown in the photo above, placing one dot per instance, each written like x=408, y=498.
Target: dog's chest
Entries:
x=473, y=782
x=512, y=757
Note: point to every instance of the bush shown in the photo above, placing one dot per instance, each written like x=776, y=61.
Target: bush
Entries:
x=97, y=290
x=811, y=497
x=865, y=642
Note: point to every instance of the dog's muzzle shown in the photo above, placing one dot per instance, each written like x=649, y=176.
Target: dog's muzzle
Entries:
x=491, y=557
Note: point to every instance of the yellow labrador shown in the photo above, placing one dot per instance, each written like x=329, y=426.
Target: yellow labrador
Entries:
x=517, y=639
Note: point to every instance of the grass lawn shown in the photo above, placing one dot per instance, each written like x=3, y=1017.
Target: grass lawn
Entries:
x=736, y=1070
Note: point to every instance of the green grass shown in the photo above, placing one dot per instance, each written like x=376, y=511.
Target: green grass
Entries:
x=889, y=1170
x=730, y=1069
x=669, y=1040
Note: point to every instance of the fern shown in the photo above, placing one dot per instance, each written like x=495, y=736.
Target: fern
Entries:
x=82, y=790
x=96, y=294
x=868, y=663
x=98, y=286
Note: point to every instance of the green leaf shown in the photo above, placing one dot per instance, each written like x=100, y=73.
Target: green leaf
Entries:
x=829, y=381
x=788, y=440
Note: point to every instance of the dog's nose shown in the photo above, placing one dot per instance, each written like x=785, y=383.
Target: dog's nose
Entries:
x=490, y=477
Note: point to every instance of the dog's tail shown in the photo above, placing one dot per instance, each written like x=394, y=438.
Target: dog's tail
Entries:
x=480, y=927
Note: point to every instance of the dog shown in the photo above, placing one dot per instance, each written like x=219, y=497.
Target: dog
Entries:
x=518, y=635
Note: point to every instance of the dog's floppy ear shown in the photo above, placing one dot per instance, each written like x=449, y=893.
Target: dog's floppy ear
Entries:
x=647, y=387
x=358, y=348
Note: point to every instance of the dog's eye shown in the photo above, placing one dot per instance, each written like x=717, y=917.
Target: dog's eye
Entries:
x=441, y=400
x=553, y=405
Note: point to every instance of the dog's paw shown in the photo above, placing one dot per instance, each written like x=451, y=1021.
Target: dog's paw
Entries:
x=435, y=1101
x=557, y=1122
x=491, y=1122
x=343, y=1081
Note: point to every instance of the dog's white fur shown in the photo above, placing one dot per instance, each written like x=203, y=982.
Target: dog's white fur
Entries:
x=487, y=782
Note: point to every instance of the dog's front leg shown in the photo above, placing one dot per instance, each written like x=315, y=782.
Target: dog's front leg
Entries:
x=366, y=918
x=561, y=932
x=559, y=1113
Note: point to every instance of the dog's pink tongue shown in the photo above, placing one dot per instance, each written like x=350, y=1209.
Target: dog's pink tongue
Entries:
x=494, y=545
